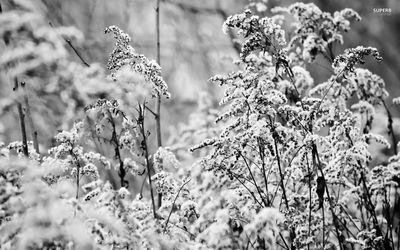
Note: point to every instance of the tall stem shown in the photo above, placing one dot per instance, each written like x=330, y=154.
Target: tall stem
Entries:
x=34, y=132
x=146, y=154
x=158, y=99
x=21, y=116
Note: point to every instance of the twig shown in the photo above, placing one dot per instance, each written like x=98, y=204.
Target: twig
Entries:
x=34, y=132
x=68, y=41
x=173, y=203
x=151, y=111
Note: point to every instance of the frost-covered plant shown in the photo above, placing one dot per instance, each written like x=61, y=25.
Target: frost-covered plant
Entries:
x=124, y=55
x=77, y=163
x=296, y=145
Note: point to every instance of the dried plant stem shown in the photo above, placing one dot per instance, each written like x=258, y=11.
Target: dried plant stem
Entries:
x=310, y=202
x=157, y=112
x=292, y=232
x=78, y=173
x=21, y=116
x=280, y=170
x=317, y=162
x=114, y=139
x=262, y=157
x=146, y=154
x=34, y=132
x=254, y=180
x=74, y=49
x=173, y=203
x=390, y=126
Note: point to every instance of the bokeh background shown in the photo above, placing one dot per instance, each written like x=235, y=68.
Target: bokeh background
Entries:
x=194, y=48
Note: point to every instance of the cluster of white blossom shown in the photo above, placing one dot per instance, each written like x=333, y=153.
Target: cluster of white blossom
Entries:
x=316, y=31
x=124, y=54
x=260, y=33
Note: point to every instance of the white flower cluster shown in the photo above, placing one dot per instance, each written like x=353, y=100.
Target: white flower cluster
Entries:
x=124, y=54
x=260, y=33
x=346, y=62
x=316, y=30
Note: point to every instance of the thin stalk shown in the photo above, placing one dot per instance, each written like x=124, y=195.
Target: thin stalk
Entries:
x=173, y=203
x=390, y=126
x=254, y=180
x=114, y=139
x=310, y=194
x=21, y=116
x=158, y=98
x=68, y=41
x=262, y=156
x=78, y=173
x=34, y=132
x=146, y=153
x=281, y=173
x=317, y=161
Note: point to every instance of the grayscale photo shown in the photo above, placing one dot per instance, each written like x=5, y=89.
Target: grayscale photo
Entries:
x=199, y=125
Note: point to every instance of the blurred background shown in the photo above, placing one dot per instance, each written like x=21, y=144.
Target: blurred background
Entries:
x=194, y=48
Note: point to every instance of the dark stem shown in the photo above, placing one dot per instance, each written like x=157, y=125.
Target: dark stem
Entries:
x=21, y=116
x=262, y=156
x=390, y=126
x=254, y=180
x=34, y=132
x=114, y=139
x=78, y=173
x=74, y=49
x=157, y=112
x=317, y=162
x=310, y=195
x=173, y=203
x=146, y=152
x=280, y=172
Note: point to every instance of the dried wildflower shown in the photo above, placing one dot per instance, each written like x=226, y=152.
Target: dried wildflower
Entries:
x=260, y=34
x=346, y=62
x=316, y=30
x=124, y=54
